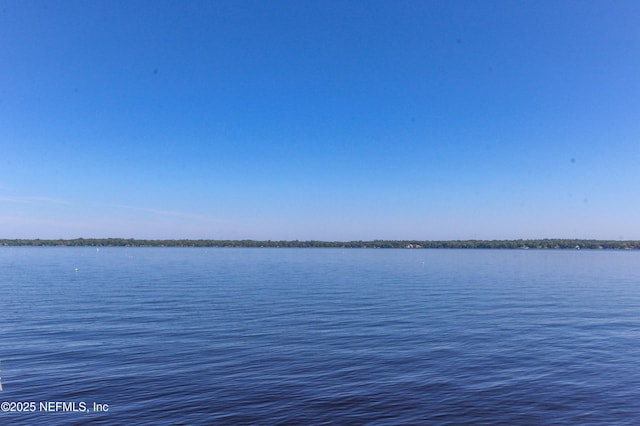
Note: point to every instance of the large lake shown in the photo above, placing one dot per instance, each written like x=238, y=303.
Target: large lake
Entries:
x=319, y=336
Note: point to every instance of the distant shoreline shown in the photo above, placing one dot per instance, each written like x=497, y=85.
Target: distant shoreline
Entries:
x=557, y=244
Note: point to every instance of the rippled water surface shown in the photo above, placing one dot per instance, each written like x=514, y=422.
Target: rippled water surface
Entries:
x=320, y=336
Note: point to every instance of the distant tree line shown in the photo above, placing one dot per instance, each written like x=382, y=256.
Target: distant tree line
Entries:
x=411, y=244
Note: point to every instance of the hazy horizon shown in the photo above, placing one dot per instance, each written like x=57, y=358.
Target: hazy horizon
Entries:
x=328, y=121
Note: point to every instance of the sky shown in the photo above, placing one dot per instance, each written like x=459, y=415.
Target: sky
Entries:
x=320, y=120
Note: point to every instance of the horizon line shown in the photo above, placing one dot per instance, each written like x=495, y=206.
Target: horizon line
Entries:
x=553, y=244
x=317, y=240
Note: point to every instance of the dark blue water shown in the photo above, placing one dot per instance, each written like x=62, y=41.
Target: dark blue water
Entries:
x=320, y=336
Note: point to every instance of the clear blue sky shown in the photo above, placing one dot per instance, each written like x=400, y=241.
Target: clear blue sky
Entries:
x=327, y=120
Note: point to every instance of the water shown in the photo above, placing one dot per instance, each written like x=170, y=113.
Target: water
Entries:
x=320, y=336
